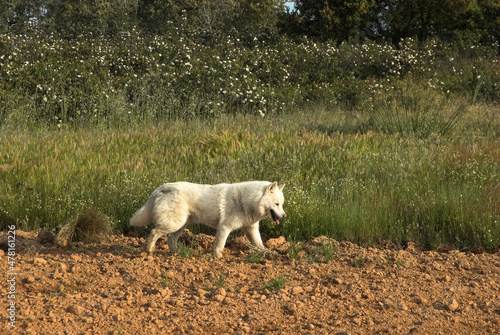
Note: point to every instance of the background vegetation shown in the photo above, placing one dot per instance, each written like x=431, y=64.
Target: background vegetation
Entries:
x=380, y=116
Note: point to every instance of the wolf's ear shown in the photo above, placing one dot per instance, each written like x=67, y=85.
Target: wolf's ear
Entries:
x=281, y=187
x=272, y=187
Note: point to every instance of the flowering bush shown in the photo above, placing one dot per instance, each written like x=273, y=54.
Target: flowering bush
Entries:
x=131, y=78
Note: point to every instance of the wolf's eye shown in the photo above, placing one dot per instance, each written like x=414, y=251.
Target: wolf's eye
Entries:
x=277, y=204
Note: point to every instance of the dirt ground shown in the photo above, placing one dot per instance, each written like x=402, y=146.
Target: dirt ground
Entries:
x=323, y=287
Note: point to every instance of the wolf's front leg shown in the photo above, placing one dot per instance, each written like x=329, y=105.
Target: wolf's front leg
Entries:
x=253, y=234
x=220, y=240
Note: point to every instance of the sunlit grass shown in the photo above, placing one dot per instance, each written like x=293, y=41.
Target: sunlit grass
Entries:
x=364, y=187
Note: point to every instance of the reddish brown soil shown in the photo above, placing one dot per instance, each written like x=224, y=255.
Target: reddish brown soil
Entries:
x=113, y=287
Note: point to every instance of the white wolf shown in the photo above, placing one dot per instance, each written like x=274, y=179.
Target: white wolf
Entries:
x=225, y=207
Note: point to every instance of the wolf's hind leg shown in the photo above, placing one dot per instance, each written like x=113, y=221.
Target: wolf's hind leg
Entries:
x=167, y=222
x=153, y=237
x=173, y=237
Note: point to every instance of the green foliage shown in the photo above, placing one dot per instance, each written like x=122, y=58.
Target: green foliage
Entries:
x=129, y=79
x=277, y=283
x=324, y=252
x=334, y=20
x=220, y=280
x=295, y=249
x=210, y=21
x=366, y=188
x=424, y=19
x=164, y=279
x=73, y=18
x=186, y=251
x=255, y=257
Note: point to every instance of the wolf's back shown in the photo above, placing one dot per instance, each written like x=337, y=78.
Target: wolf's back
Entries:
x=143, y=216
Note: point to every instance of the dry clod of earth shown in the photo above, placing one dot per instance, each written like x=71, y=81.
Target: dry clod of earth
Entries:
x=111, y=286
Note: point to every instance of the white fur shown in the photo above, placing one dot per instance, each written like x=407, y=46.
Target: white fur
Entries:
x=225, y=207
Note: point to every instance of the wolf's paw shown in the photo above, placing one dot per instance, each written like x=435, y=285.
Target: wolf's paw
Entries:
x=218, y=253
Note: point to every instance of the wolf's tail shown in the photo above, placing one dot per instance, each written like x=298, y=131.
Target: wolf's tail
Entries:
x=143, y=216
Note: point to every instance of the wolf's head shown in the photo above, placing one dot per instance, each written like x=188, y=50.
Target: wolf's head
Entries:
x=273, y=201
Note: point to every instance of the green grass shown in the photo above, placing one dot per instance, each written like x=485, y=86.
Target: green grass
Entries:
x=277, y=283
x=164, y=279
x=346, y=177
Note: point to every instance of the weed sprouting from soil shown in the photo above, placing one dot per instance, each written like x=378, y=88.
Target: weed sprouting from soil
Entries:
x=164, y=279
x=277, y=283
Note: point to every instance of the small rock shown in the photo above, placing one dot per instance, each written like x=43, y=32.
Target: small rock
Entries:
x=202, y=292
x=452, y=305
x=387, y=303
x=75, y=309
x=297, y=290
x=281, y=292
x=220, y=291
x=38, y=260
x=422, y=301
x=279, y=244
x=29, y=280
x=367, y=295
x=115, y=311
x=76, y=257
x=369, y=266
x=402, y=306
x=104, y=306
x=337, y=281
x=446, y=278
x=219, y=297
x=310, y=326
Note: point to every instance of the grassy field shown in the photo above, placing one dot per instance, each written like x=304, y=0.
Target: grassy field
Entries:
x=374, y=142
x=415, y=168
